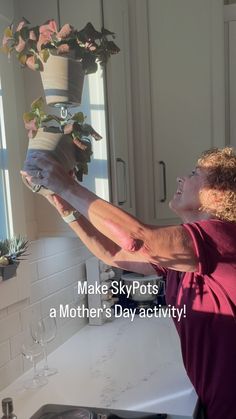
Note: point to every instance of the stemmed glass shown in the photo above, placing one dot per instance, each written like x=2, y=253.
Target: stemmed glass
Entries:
x=31, y=351
x=44, y=331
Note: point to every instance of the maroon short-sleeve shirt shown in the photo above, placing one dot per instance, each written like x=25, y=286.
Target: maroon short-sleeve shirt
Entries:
x=208, y=332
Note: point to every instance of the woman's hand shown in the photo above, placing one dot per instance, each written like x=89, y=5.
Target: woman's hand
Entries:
x=42, y=169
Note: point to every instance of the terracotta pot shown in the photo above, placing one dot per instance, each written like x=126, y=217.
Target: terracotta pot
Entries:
x=59, y=145
x=63, y=80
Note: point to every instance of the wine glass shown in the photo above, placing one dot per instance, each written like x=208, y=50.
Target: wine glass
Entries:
x=32, y=351
x=44, y=331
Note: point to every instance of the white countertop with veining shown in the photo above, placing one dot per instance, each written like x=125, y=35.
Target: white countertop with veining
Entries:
x=122, y=364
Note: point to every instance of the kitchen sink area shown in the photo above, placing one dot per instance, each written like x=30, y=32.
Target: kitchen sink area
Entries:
x=123, y=368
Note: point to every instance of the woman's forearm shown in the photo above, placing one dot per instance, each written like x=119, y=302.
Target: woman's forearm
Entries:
x=106, y=250
x=98, y=244
x=114, y=223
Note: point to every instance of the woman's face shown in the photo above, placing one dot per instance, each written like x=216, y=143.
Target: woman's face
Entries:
x=186, y=200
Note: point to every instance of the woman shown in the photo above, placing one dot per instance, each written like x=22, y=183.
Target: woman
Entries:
x=198, y=258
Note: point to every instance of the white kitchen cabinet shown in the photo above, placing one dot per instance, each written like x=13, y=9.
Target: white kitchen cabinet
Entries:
x=178, y=72
x=120, y=122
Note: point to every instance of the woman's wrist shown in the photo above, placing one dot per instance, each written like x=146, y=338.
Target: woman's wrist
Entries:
x=70, y=216
x=79, y=197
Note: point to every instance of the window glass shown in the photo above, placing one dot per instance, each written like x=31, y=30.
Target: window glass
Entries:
x=4, y=221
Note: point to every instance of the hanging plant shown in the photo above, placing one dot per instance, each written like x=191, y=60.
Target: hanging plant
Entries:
x=73, y=126
x=34, y=44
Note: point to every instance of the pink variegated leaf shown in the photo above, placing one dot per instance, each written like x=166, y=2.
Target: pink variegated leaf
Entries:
x=77, y=141
x=63, y=49
x=21, y=45
x=32, y=124
x=32, y=63
x=32, y=127
x=90, y=46
x=21, y=25
x=49, y=27
x=68, y=128
x=65, y=31
x=32, y=36
x=40, y=42
x=31, y=133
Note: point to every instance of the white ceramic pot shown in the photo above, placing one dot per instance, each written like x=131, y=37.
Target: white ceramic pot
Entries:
x=63, y=80
x=60, y=146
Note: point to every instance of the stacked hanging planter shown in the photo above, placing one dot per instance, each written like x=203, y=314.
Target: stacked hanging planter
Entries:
x=63, y=58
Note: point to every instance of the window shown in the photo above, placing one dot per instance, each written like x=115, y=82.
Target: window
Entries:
x=4, y=178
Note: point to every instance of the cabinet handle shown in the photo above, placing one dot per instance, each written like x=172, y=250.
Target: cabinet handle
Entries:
x=122, y=202
x=162, y=163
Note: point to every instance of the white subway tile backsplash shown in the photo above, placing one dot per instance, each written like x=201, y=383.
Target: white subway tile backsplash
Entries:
x=20, y=305
x=3, y=313
x=29, y=313
x=33, y=271
x=56, y=263
x=39, y=290
x=36, y=250
x=9, y=326
x=9, y=292
x=4, y=353
x=16, y=343
x=51, y=273
x=53, y=246
x=54, y=300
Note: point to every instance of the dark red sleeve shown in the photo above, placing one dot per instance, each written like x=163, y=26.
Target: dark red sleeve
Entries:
x=203, y=235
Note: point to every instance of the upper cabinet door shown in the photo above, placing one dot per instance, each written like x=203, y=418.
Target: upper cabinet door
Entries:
x=186, y=87
x=116, y=19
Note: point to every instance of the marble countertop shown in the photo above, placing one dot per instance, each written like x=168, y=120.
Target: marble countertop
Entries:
x=121, y=365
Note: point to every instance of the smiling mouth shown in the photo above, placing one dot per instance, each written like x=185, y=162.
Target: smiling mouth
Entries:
x=178, y=192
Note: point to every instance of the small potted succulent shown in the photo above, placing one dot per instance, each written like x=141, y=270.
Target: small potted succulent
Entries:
x=68, y=140
x=62, y=56
x=11, y=251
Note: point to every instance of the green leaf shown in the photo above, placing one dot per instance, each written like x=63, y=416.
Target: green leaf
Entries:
x=48, y=118
x=89, y=67
x=38, y=103
x=38, y=64
x=24, y=32
x=8, y=32
x=79, y=117
x=28, y=116
x=22, y=57
x=44, y=54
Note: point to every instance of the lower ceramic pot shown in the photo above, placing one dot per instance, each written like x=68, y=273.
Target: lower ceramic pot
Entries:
x=59, y=145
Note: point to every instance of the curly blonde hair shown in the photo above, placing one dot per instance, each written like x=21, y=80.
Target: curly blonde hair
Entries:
x=218, y=196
